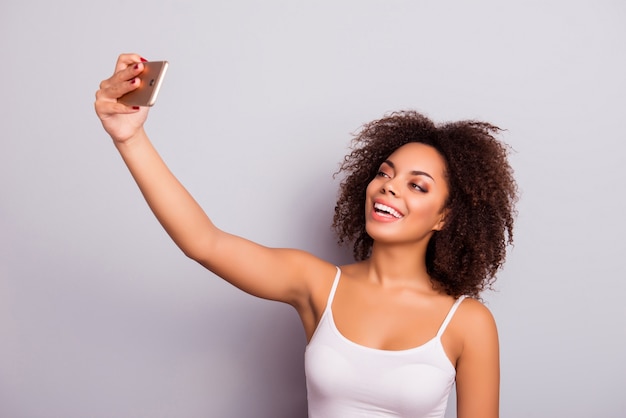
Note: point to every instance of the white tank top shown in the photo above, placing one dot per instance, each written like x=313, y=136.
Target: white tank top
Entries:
x=346, y=380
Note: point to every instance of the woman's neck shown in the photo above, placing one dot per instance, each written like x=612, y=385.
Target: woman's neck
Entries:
x=398, y=265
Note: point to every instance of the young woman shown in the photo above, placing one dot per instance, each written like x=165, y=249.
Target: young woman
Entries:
x=429, y=210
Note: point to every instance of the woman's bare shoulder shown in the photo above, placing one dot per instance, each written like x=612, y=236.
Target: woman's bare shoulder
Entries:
x=474, y=324
x=472, y=314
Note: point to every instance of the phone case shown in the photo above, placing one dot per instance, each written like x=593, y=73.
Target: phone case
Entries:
x=151, y=79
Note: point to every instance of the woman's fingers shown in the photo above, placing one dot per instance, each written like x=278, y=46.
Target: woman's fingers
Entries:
x=124, y=80
x=125, y=60
x=120, y=83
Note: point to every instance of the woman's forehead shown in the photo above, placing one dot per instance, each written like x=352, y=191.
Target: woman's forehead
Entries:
x=418, y=156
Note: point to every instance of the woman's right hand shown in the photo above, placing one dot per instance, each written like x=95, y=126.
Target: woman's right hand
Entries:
x=120, y=121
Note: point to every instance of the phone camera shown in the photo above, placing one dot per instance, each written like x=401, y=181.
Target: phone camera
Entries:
x=152, y=82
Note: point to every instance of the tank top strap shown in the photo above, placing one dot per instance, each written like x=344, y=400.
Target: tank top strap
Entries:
x=446, y=321
x=333, y=289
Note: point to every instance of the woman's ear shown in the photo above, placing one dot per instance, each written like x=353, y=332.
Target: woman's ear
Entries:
x=442, y=220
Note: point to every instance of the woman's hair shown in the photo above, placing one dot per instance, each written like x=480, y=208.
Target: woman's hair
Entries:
x=465, y=255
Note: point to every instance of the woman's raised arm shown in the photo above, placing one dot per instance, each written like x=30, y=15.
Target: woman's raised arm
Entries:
x=278, y=274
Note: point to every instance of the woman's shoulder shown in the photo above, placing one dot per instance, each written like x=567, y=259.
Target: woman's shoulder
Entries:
x=473, y=313
x=473, y=321
x=471, y=329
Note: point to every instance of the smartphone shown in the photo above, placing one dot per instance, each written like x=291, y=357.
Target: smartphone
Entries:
x=151, y=79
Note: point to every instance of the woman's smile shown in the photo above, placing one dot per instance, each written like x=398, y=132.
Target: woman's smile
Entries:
x=385, y=212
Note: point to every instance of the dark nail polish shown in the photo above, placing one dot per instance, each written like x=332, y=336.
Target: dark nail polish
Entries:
x=143, y=59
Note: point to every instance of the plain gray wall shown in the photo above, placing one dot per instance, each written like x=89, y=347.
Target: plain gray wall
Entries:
x=102, y=316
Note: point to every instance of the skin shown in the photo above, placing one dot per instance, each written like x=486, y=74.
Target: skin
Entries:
x=387, y=301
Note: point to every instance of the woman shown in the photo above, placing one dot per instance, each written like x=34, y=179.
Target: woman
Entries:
x=429, y=210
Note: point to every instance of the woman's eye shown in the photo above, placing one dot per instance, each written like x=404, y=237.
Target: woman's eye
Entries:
x=382, y=174
x=417, y=187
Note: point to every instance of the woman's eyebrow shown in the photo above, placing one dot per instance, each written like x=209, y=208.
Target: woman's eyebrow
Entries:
x=414, y=172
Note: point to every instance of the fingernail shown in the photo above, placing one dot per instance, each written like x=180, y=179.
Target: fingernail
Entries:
x=133, y=80
x=136, y=107
x=136, y=66
x=143, y=59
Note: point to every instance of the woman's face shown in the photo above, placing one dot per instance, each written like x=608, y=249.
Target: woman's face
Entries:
x=405, y=201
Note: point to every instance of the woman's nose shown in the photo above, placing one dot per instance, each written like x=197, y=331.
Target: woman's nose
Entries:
x=388, y=188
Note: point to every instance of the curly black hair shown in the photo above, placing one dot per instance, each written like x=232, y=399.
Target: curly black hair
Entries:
x=464, y=257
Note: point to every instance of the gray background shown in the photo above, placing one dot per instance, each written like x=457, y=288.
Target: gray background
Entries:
x=100, y=314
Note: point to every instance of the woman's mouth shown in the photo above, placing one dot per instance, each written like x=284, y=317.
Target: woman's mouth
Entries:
x=385, y=210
